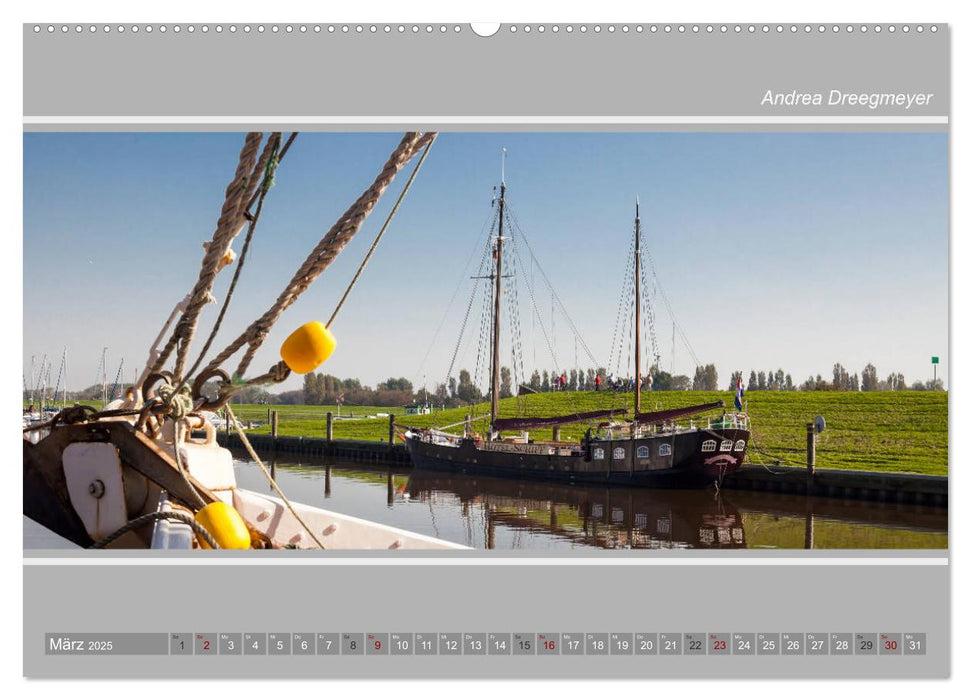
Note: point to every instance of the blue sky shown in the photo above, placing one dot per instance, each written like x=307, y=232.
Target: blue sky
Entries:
x=775, y=250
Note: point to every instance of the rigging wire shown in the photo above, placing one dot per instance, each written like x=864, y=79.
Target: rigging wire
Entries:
x=556, y=298
x=114, y=387
x=468, y=311
x=538, y=316
x=664, y=297
x=625, y=293
x=458, y=286
x=384, y=227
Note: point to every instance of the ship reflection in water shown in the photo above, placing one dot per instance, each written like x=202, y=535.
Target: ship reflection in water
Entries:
x=492, y=513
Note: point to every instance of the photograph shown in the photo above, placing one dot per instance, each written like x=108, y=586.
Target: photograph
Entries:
x=543, y=340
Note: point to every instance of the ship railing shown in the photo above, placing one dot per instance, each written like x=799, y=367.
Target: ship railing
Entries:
x=730, y=421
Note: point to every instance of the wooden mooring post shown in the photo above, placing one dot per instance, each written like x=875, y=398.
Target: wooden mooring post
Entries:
x=556, y=433
x=274, y=425
x=810, y=450
x=330, y=426
x=391, y=429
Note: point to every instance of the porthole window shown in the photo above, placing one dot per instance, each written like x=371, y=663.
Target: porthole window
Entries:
x=618, y=453
x=643, y=452
x=708, y=446
x=664, y=450
x=598, y=453
x=726, y=446
x=740, y=446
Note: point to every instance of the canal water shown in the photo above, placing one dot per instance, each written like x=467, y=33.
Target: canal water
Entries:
x=490, y=513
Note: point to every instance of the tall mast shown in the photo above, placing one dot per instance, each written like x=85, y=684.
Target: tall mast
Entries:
x=637, y=306
x=498, y=300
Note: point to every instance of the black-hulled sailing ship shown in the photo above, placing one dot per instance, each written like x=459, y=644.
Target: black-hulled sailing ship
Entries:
x=653, y=448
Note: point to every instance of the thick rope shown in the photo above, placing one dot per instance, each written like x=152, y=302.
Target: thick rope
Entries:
x=226, y=228
x=270, y=169
x=280, y=371
x=377, y=238
x=255, y=457
x=149, y=517
x=333, y=242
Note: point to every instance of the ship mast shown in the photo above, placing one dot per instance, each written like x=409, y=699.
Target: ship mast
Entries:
x=637, y=307
x=498, y=300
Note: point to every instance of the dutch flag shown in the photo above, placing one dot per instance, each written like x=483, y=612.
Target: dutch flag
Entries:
x=739, y=393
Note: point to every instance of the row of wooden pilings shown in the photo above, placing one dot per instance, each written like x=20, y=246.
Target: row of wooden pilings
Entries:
x=373, y=452
x=273, y=418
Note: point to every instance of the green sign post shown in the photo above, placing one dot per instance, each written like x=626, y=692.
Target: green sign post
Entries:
x=935, y=361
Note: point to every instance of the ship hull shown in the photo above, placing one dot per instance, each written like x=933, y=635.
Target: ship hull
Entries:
x=683, y=460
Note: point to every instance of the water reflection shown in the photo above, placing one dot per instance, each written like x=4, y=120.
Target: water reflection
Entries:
x=596, y=517
x=491, y=513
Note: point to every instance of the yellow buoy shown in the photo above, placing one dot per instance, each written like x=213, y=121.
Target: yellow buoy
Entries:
x=308, y=347
x=226, y=526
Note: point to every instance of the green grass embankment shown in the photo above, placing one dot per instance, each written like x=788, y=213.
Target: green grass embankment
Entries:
x=878, y=431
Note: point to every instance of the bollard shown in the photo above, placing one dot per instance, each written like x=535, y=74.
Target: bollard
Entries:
x=391, y=429
x=330, y=426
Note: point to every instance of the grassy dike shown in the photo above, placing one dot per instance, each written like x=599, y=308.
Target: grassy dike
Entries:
x=879, y=431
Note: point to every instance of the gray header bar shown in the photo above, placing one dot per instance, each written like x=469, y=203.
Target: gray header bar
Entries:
x=221, y=70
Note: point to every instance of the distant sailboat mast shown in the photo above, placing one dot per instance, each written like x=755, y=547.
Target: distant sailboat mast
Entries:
x=104, y=377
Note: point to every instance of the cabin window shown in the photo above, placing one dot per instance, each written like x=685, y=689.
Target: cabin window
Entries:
x=740, y=446
x=726, y=446
x=708, y=446
x=664, y=450
x=618, y=453
x=643, y=452
x=598, y=453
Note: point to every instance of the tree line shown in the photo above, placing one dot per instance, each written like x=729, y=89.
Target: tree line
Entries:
x=326, y=389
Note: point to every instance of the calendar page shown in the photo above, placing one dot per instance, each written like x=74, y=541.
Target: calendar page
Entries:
x=525, y=350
